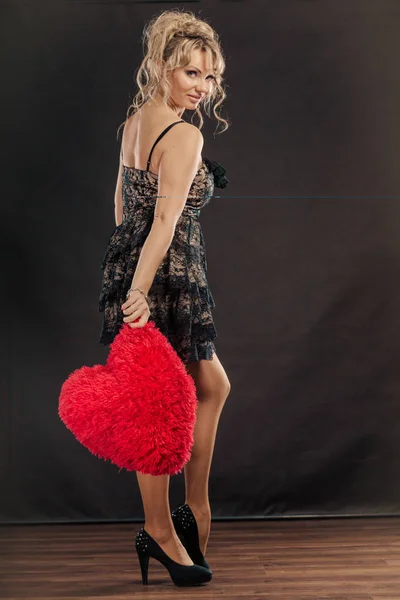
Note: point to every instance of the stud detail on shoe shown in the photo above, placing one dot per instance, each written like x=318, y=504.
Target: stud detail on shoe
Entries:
x=141, y=541
x=185, y=515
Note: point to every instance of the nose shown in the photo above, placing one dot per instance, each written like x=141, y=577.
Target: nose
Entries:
x=202, y=90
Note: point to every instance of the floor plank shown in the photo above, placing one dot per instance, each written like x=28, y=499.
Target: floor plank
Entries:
x=289, y=559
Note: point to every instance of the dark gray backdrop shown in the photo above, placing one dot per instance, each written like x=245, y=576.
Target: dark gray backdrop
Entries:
x=303, y=252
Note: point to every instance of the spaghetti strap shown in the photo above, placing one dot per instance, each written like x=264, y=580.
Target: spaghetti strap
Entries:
x=159, y=138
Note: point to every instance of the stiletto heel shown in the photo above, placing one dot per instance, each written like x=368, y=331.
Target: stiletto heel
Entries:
x=186, y=527
x=144, y=566
x=182, y=575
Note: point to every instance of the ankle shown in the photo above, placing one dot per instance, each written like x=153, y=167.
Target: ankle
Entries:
x=202, y=509
x=161, y=534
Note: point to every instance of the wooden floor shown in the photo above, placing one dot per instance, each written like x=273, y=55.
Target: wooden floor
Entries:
x=326, y=559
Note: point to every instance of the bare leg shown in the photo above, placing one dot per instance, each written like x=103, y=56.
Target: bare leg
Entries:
x=158, y=521
x=212, y=387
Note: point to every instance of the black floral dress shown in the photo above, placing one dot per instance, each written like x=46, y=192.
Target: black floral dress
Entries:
x=180, y=300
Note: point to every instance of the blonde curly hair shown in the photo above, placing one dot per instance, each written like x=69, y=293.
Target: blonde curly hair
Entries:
x=170, y=37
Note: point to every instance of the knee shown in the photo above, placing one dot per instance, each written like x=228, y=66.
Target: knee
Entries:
x=227, y=388
x=224, y=389
x=216, y=394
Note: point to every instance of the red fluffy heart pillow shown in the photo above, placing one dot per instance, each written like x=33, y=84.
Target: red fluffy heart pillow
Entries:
x=138, y=410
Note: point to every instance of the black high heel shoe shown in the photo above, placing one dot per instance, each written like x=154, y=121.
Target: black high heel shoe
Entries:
x=186, y=528
x=182, y=575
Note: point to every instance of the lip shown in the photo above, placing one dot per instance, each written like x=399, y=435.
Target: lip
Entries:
x=194, y=97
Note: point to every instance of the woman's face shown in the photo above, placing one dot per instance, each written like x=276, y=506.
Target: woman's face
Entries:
x=191, y=84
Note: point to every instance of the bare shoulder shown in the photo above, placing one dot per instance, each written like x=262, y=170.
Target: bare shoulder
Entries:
x=180, y=158
x=187, y=134
x=183, y=145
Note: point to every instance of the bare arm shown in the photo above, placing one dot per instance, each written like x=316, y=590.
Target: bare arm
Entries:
x=118, y=195
x=178, y=166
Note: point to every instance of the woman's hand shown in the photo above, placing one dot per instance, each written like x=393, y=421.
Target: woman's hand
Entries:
x=135, y=308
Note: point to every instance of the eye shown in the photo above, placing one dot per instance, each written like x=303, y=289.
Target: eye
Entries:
x=195, y=72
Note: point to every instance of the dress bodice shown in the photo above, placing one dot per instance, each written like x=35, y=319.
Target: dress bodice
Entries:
x=140, y=187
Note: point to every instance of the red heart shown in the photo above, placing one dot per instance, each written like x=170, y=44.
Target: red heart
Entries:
x=138, y=410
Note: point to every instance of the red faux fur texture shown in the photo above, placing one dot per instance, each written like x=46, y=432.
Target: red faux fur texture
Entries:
x=138, y=410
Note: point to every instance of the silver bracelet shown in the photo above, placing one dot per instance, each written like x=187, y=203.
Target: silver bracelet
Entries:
x=139, y=290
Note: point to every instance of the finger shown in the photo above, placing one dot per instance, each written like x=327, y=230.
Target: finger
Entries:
x=132, y=316
x=132, y=306
x=137, y=325
x=137, y=310
x=140, y=310
x=130, y=301
x=133, y=324
x=142, y=321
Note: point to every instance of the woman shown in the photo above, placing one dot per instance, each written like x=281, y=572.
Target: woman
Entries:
x=155, y=264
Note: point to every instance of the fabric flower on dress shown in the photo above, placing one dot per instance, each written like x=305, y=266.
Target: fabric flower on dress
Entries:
x=220, y=179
